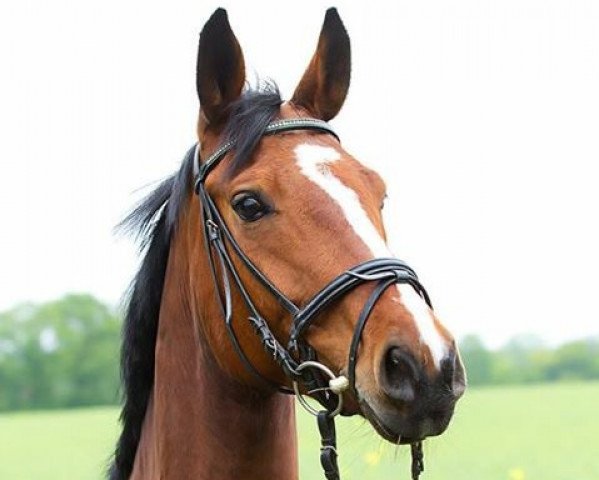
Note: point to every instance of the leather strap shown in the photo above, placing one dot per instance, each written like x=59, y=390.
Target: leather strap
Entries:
x=417, y=460
x=362, y=319
x=328, y=449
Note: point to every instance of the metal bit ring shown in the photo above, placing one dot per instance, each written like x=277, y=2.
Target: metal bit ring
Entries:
x=333, y=378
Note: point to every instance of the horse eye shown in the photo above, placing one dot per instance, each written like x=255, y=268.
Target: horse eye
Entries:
x=249, y=206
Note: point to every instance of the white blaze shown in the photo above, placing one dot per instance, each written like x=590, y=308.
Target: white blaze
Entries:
x=313, y=161
x=423, y=318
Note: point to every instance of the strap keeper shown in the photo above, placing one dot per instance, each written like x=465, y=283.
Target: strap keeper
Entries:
x=213, y=230
x=197, y=184
x=199, y=180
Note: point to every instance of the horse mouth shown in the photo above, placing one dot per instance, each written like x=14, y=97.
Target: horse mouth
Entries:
x=383, y=430
x=401, y=429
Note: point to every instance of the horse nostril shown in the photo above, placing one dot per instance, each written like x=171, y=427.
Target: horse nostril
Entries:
x=399, y=375
x=448, y=369
x=452, y=373
x=459, y=383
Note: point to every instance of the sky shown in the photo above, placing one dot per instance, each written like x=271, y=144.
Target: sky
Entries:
x=482, y=117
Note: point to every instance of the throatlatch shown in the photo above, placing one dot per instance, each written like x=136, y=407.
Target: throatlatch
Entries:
x=298, y=359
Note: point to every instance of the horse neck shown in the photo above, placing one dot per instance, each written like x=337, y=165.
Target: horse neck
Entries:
x=200, y=423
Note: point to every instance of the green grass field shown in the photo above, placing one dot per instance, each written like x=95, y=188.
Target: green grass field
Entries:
x=546, y=432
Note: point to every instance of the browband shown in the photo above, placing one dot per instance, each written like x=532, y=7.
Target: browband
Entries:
x=201, y=170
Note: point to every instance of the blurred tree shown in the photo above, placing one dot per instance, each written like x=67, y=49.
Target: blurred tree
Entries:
x=521, y=360
x=477, y=360
x=525, y=359
x=574, y=360
x=59, y=354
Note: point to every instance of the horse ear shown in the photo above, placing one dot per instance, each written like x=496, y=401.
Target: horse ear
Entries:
x=220, y=73
x=323, y=88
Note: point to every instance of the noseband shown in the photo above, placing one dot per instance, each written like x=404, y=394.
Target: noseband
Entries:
x=297, y=359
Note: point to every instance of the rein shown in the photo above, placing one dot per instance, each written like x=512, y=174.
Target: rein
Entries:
x=298, y=359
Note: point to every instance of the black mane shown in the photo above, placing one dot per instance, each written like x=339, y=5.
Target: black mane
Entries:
x=249, y=117
x=152, y=222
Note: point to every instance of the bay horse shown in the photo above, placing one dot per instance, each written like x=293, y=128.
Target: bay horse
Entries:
x=266, y=272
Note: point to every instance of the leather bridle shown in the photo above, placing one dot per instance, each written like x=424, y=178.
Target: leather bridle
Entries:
x=297, y=359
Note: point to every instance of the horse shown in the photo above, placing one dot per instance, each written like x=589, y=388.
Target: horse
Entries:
x=266, y=272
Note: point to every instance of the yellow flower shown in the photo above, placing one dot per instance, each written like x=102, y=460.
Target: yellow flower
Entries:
x=516, y=474
x=372, y=458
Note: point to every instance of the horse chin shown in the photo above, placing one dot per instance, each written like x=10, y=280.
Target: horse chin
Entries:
x=379, y=426
x=397, y=430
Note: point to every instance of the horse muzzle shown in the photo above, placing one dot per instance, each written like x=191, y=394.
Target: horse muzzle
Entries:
x=408, y=405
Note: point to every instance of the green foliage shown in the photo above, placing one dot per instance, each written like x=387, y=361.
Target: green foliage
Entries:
x=525, y=359
x=478, y=360
x=59, y=354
